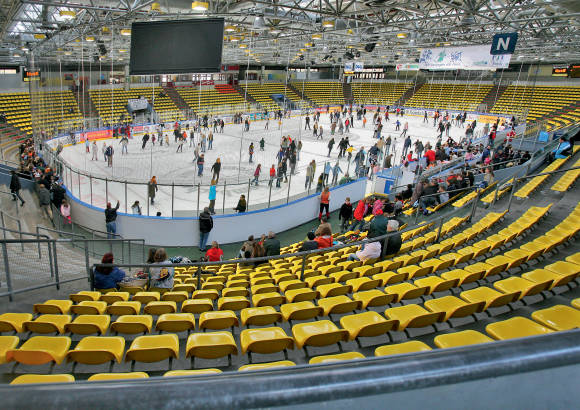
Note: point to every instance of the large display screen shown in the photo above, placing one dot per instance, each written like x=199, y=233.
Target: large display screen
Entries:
x=174, y=47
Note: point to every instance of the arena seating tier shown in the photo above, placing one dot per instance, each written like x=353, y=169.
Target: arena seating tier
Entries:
x=449, y=96
x=262, y=92
x=210, y=100
x=321, y=93
x=378, y=93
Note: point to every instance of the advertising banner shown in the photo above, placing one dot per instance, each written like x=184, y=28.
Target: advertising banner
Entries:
x=348, y=67
x=462, y=58
x=407, y=67
x=358, y=66
x=94, y=135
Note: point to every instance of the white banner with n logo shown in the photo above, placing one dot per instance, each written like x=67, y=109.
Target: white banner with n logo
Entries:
x=462, y=58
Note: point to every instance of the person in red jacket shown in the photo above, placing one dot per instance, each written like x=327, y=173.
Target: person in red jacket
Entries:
x=359, y=215
x=324, y=238
x=324, y=203
x=430, y=154
x=272, y=174
x=214, y=254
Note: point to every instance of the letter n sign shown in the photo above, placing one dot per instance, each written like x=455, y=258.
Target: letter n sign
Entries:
x=504, y=43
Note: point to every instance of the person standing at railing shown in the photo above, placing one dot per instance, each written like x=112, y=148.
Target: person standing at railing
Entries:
x=212, y=196
x=205, y=227
x=65, y=211
x=111, y=220
x=15, y=187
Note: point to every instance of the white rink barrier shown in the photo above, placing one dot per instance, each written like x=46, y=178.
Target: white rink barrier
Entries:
x=166, y=231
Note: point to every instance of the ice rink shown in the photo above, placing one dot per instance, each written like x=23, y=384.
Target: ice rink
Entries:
x=170, y=167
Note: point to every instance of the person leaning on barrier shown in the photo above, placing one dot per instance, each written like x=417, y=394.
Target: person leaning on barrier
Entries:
x=392, y=243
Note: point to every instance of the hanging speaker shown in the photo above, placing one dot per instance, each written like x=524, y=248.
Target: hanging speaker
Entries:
x=370, y=47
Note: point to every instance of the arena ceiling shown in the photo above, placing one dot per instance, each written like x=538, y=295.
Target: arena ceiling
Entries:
x=279, y=32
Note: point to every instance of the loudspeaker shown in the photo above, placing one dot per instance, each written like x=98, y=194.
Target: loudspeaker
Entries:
x=370, y=47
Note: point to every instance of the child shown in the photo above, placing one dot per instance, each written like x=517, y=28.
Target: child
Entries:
x=65, y=211
x=345, y=214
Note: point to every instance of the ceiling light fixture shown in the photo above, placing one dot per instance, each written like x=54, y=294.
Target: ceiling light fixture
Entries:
x=156, y=7
x=317, y=36
x=328, y=24
x=90, y=38
x=40, y=36
x=199, y=6
x=402, y=35
x=230, y=29
x=126, y=32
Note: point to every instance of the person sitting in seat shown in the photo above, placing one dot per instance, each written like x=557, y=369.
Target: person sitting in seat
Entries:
x=393, y=243
x=563, y=150
x=108, y=277
x=310, y=244
x=215, y=254
x=161, y=276
x=368, y=251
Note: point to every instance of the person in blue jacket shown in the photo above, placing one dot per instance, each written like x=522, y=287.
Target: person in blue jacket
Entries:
x=562, y=150
x=108, y=277
x=212, y=196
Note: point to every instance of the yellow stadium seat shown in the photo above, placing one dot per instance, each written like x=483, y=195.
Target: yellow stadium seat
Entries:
x=333, y=289
x=363, y=283
x=436, y=284
x=457, y=339
x=211, y=294
x=177, y=373
x=265, y=341
x=367, y=324
x=40, y=350
x=89, y=324
x=564, y=268
x=48, y=324
x=523, y=286
x=558, y=317
x=268, y=299
x=336, y=358
x=406, y=291
x=89, y=307
x=97, y=350
x=84, y=295
x=211, y=346
x=576, y=303
x=271, y=365
x=132, y=324
x=412, y=346
x=118, y=376
x=112, y=297
x=491, y=297
x=318, y=280
x=320, y=333
x=146, y=297
x=43, y=378
x=260, y=316
x=155, y=348
x=218, y=320
x=549, y=278
x=338, y=304
x=234, y=303
x=7, y=343
x=388, y=278
x=300, y=311
x=264, y=288
x=372, y=298
x=514, y=328
x=175, y=296
x=120, y=308
x=235, y=291
x=175, y=322
x=452, y=307
x=53, y=306
x=13, y=322
x=574, y=258
x=301, y=295
x=412, y=316
x=197, y=306
x=160, y=307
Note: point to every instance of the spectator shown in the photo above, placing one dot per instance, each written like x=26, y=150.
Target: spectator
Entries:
x=443, y=195
x=310, y=244
x=205, y=227
x=392, y=243
x=427, y=199
x=44, y=200
x=111, y=220
x=398, y=205
x=323, y=236
x=378, y=204
x=136, y=208
x=258, y=251
x=247, y=246
x=107, y=277
x=214, y=254
x=345, y=214
x=58, y=194
x=161, y=276
x=320, y=183
x=241, y=206
x=324, y=203
x=15, y=187
x=407, y=193
x=272, y=245
x=488, y=178
x=369, y=250
x=65, y=211
x=152, y=189
x=378, y=226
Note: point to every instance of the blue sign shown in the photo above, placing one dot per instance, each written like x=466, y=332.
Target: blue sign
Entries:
x=504, y=43
x=543, y=136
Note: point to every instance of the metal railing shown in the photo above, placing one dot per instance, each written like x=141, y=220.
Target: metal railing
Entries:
x=42, y=262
